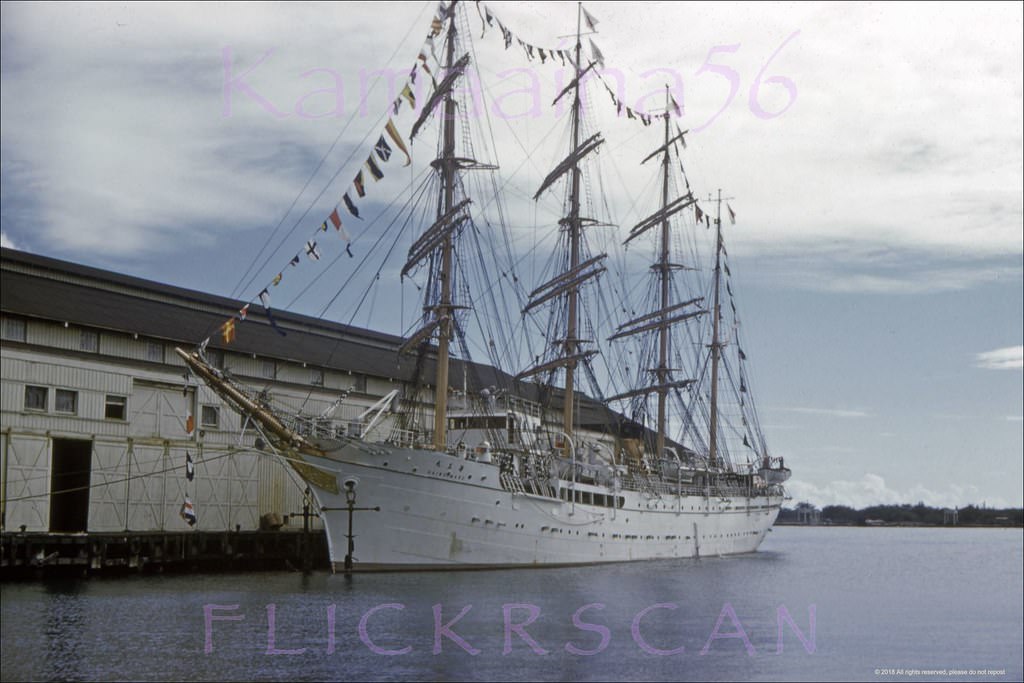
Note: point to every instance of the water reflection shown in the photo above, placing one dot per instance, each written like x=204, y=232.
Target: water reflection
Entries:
x=936, y=597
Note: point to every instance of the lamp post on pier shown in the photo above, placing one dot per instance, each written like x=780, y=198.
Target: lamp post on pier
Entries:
x=350, y=499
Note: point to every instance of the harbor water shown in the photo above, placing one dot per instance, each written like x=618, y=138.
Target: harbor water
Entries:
x=815, y=603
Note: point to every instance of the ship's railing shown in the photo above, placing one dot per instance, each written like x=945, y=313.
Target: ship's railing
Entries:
x=535, y=468
x=585, y=472
x=654, y=484
x=407, y=438
x=314, y=427
x=494, y=405
x=522, y=405
x=667, y=487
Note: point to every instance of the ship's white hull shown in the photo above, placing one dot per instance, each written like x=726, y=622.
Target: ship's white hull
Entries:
x=442, y=511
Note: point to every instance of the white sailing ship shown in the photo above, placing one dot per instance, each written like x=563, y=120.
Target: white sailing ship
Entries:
x=534, y=472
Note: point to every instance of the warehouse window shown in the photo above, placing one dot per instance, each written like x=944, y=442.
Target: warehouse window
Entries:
x=14, y=329
x=268, y=369
x=66, y=401
x=89, y=341
x=36, y=398
x=215, y=357
x=116, y=407
x=155, y=352
x=316, y=377
x=211, y=417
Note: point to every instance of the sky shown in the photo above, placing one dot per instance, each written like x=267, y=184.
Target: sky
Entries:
x=873, y=151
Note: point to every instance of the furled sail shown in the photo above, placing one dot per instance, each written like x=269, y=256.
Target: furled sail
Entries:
x=440, y=92
x=571, y=161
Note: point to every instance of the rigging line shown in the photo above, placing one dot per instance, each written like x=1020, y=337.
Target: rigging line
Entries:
x=506, y=268
x=238, y=287
x=373, y=283
x=643, y=192
x=373, y=298
x=359, y=265
x=500, y=204
x=327, y=185
x=749, y=407
x=485, y=323
x=528, y=156
x=427, y=216
x=383, y=263
x=108, y=471
x=703, y=365
x=495, y=282
x=231, y=451
x=366, y=293
x=376, y=277
x=489, y=294
x=494, y=146
x=293, y=475
x=352, y=275
x=497, y=310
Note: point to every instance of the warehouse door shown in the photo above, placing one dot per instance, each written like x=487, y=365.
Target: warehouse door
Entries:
x=69, y=485
x=158, y=411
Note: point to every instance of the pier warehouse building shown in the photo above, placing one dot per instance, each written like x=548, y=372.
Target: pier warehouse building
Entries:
x=95, y=406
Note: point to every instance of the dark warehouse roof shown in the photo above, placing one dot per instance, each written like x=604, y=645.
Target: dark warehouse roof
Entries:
x=39, y=287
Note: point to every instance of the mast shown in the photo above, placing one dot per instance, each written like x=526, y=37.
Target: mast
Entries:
x=665, y=314
x=716, y=344
x=435, y=245
x=663, y=267
x=566, y=285
x=444, y=311
x=574, y=245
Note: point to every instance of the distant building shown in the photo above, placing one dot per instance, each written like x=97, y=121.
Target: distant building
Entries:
x=951, y=516
x=807, y=514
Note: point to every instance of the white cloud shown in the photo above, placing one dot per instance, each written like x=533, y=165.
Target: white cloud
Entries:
x=117, y=111
x=830, y=412
x=130, y=151
x=849, y=266
x=1008, y=358
x=871, y=489
x=5, y=241
x=911, y=282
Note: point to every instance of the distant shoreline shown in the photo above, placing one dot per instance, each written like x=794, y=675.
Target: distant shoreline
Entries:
x=806, y=514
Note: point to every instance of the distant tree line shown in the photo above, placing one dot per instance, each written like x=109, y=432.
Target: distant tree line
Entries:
x=919, y=514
